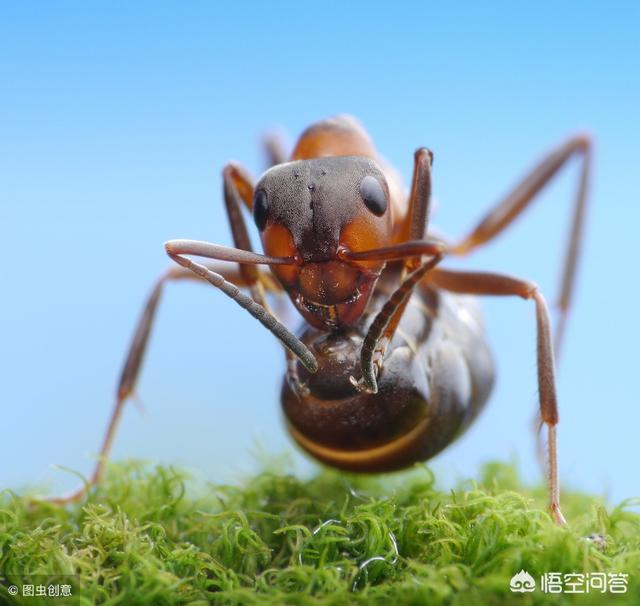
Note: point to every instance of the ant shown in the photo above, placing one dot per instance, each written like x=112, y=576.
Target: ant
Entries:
x=392, y=363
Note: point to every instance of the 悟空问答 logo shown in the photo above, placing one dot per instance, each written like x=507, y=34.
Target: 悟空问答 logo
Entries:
x=522, y=582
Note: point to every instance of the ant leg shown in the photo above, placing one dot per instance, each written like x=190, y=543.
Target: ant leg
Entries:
x=417, y=219
x=379, y=334
x=241, y=181
x=413, y=232
x=414, y=229
x=523, y=194
x=274, y=149
x=275, y=153
x=131, y=368
x=176, y=249
x=479, y=283
x=516, y=201
x=238, y=188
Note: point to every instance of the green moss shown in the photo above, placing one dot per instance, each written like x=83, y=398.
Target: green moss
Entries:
x=141, y=538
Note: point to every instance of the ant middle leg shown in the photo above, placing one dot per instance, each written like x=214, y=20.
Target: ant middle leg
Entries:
x=513, y=205
x=237, y=188
x=480, y=283
x=133, y=363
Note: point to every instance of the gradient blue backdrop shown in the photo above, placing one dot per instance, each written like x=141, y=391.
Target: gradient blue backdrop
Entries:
x=115, y=121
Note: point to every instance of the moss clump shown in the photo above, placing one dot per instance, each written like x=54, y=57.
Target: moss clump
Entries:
x=140, y=538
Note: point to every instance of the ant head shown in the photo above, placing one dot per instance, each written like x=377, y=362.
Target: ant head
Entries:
x=314, y=210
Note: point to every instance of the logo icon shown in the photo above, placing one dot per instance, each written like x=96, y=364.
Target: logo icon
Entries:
x=522, y=582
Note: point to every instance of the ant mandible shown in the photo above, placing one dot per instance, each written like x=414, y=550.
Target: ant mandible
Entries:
x=392, y=365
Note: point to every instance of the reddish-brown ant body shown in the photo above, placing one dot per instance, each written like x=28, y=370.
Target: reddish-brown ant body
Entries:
x=392, y=365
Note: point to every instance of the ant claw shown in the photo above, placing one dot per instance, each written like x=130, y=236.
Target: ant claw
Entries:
x=357, y=384
x=300, y=389
x=362, y=386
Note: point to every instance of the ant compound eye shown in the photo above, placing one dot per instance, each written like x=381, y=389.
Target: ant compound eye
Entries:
x=373, y=195
x=260, y=208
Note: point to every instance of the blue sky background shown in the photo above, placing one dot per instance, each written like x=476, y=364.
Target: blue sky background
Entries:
x=116, y=120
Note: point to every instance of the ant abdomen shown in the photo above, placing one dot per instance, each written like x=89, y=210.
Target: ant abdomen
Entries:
x=428, y=392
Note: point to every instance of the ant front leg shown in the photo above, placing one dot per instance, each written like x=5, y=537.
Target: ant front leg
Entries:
x=237, y=188
x=384, y=324
x=178, y=249
x=412, y=232
x=478, y=283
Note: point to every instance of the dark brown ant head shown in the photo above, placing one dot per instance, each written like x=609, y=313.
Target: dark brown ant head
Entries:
x=319, y=211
